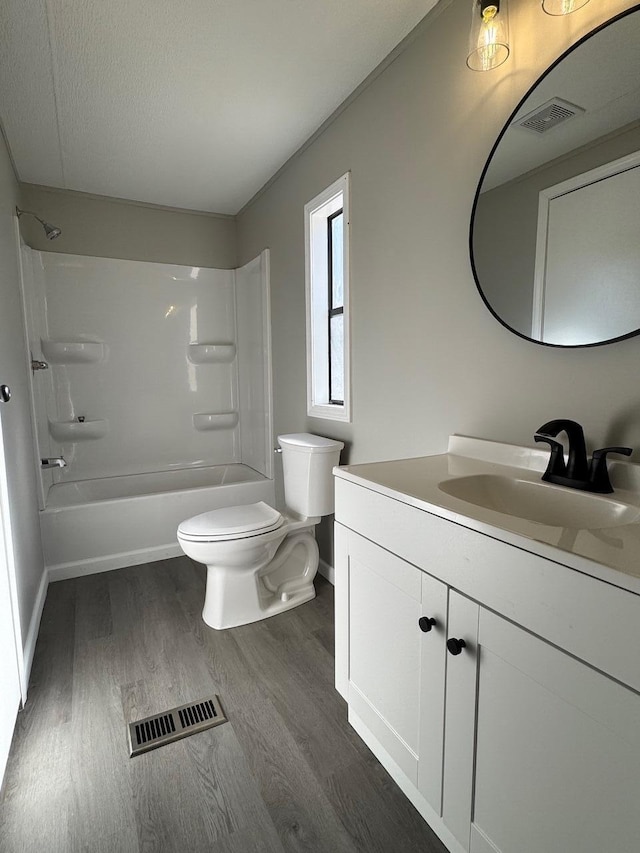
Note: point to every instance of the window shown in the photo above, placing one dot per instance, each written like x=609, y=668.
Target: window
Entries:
x=327, y=292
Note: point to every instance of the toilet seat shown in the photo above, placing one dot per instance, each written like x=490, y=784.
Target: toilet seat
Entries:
x=231, y=522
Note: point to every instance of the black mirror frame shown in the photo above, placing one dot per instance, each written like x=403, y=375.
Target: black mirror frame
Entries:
x=566, y=53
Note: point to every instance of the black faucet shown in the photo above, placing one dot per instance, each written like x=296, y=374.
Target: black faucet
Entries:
x=576, y=473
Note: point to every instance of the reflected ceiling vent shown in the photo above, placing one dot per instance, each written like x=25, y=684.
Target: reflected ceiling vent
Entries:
x=548, y=115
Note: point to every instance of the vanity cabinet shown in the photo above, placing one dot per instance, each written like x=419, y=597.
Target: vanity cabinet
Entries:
x=528, y=738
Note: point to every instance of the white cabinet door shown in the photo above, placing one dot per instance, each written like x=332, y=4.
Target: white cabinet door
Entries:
x=542, y=752
x=557, y=764
x=397, y=621
x=384, y=649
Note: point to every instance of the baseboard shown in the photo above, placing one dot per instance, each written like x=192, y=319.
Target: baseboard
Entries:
x=80, y=568
x=32, y=635
x=327, y=571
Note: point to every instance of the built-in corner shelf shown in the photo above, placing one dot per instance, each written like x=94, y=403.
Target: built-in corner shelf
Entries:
x=213, y=353
x=205, y=421
x=66, y=432
x=72, y=352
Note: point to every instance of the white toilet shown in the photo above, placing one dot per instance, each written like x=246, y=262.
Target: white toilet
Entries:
x=258, y=561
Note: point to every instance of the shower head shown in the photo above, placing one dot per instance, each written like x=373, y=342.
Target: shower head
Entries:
x=51, y=231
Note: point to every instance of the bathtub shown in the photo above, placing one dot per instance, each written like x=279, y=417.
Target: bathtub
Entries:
x=95, y=525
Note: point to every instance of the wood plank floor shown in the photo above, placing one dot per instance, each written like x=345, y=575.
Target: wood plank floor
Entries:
x=286, y=773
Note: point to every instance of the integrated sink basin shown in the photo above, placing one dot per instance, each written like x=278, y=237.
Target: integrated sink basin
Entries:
x=496, y=489
x=541, y=502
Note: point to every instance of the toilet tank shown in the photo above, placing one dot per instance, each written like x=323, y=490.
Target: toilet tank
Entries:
x=307, y=463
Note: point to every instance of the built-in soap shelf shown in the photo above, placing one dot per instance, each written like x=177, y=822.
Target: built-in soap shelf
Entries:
x=205, y=421
x=212, y=353
x=72, y=352
x=66, y=432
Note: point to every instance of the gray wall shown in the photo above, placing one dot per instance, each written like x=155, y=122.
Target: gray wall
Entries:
x=427, y=357
x=17, y=431
x=506, y=226
x=111, y=228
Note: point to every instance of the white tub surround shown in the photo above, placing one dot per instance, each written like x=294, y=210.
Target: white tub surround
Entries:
x=157, y=378
x=138, y=354
x=511, y=642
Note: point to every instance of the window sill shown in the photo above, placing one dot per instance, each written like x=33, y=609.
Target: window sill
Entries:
x=332, y=413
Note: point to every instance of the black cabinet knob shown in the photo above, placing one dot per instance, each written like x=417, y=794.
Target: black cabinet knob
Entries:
x=5, y=393
x=455, y=646
x=426, y=623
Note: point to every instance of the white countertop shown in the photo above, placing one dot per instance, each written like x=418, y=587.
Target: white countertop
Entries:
x=611, y=554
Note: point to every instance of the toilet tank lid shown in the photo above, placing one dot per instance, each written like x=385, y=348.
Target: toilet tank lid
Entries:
x=308, y=443
x=233, y=521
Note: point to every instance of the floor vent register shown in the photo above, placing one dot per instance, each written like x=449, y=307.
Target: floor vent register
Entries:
x=169, y=726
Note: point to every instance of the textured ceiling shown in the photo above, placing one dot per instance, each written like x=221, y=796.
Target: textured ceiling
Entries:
x=187, y=103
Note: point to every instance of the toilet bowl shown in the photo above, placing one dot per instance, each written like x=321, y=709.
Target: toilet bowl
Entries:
x=259, y=561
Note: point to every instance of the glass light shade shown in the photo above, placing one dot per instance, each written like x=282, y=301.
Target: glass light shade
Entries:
x=562, y=7
x=489, y=35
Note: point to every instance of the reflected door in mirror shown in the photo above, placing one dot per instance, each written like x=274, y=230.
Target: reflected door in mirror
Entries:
x=587, y=269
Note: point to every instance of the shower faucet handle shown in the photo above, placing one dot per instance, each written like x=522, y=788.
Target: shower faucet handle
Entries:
x=53, y=462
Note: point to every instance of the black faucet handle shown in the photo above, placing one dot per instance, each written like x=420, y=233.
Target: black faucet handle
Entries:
x=624, y=451
x=556, y=466
x=598, y=473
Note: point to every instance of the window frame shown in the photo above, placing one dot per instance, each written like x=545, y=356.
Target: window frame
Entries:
x=332, y=310
x=318, y=279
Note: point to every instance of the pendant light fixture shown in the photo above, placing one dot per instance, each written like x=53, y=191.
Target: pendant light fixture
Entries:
x=489, y=36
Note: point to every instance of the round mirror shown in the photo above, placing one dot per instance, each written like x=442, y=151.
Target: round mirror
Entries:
x=555, y=228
